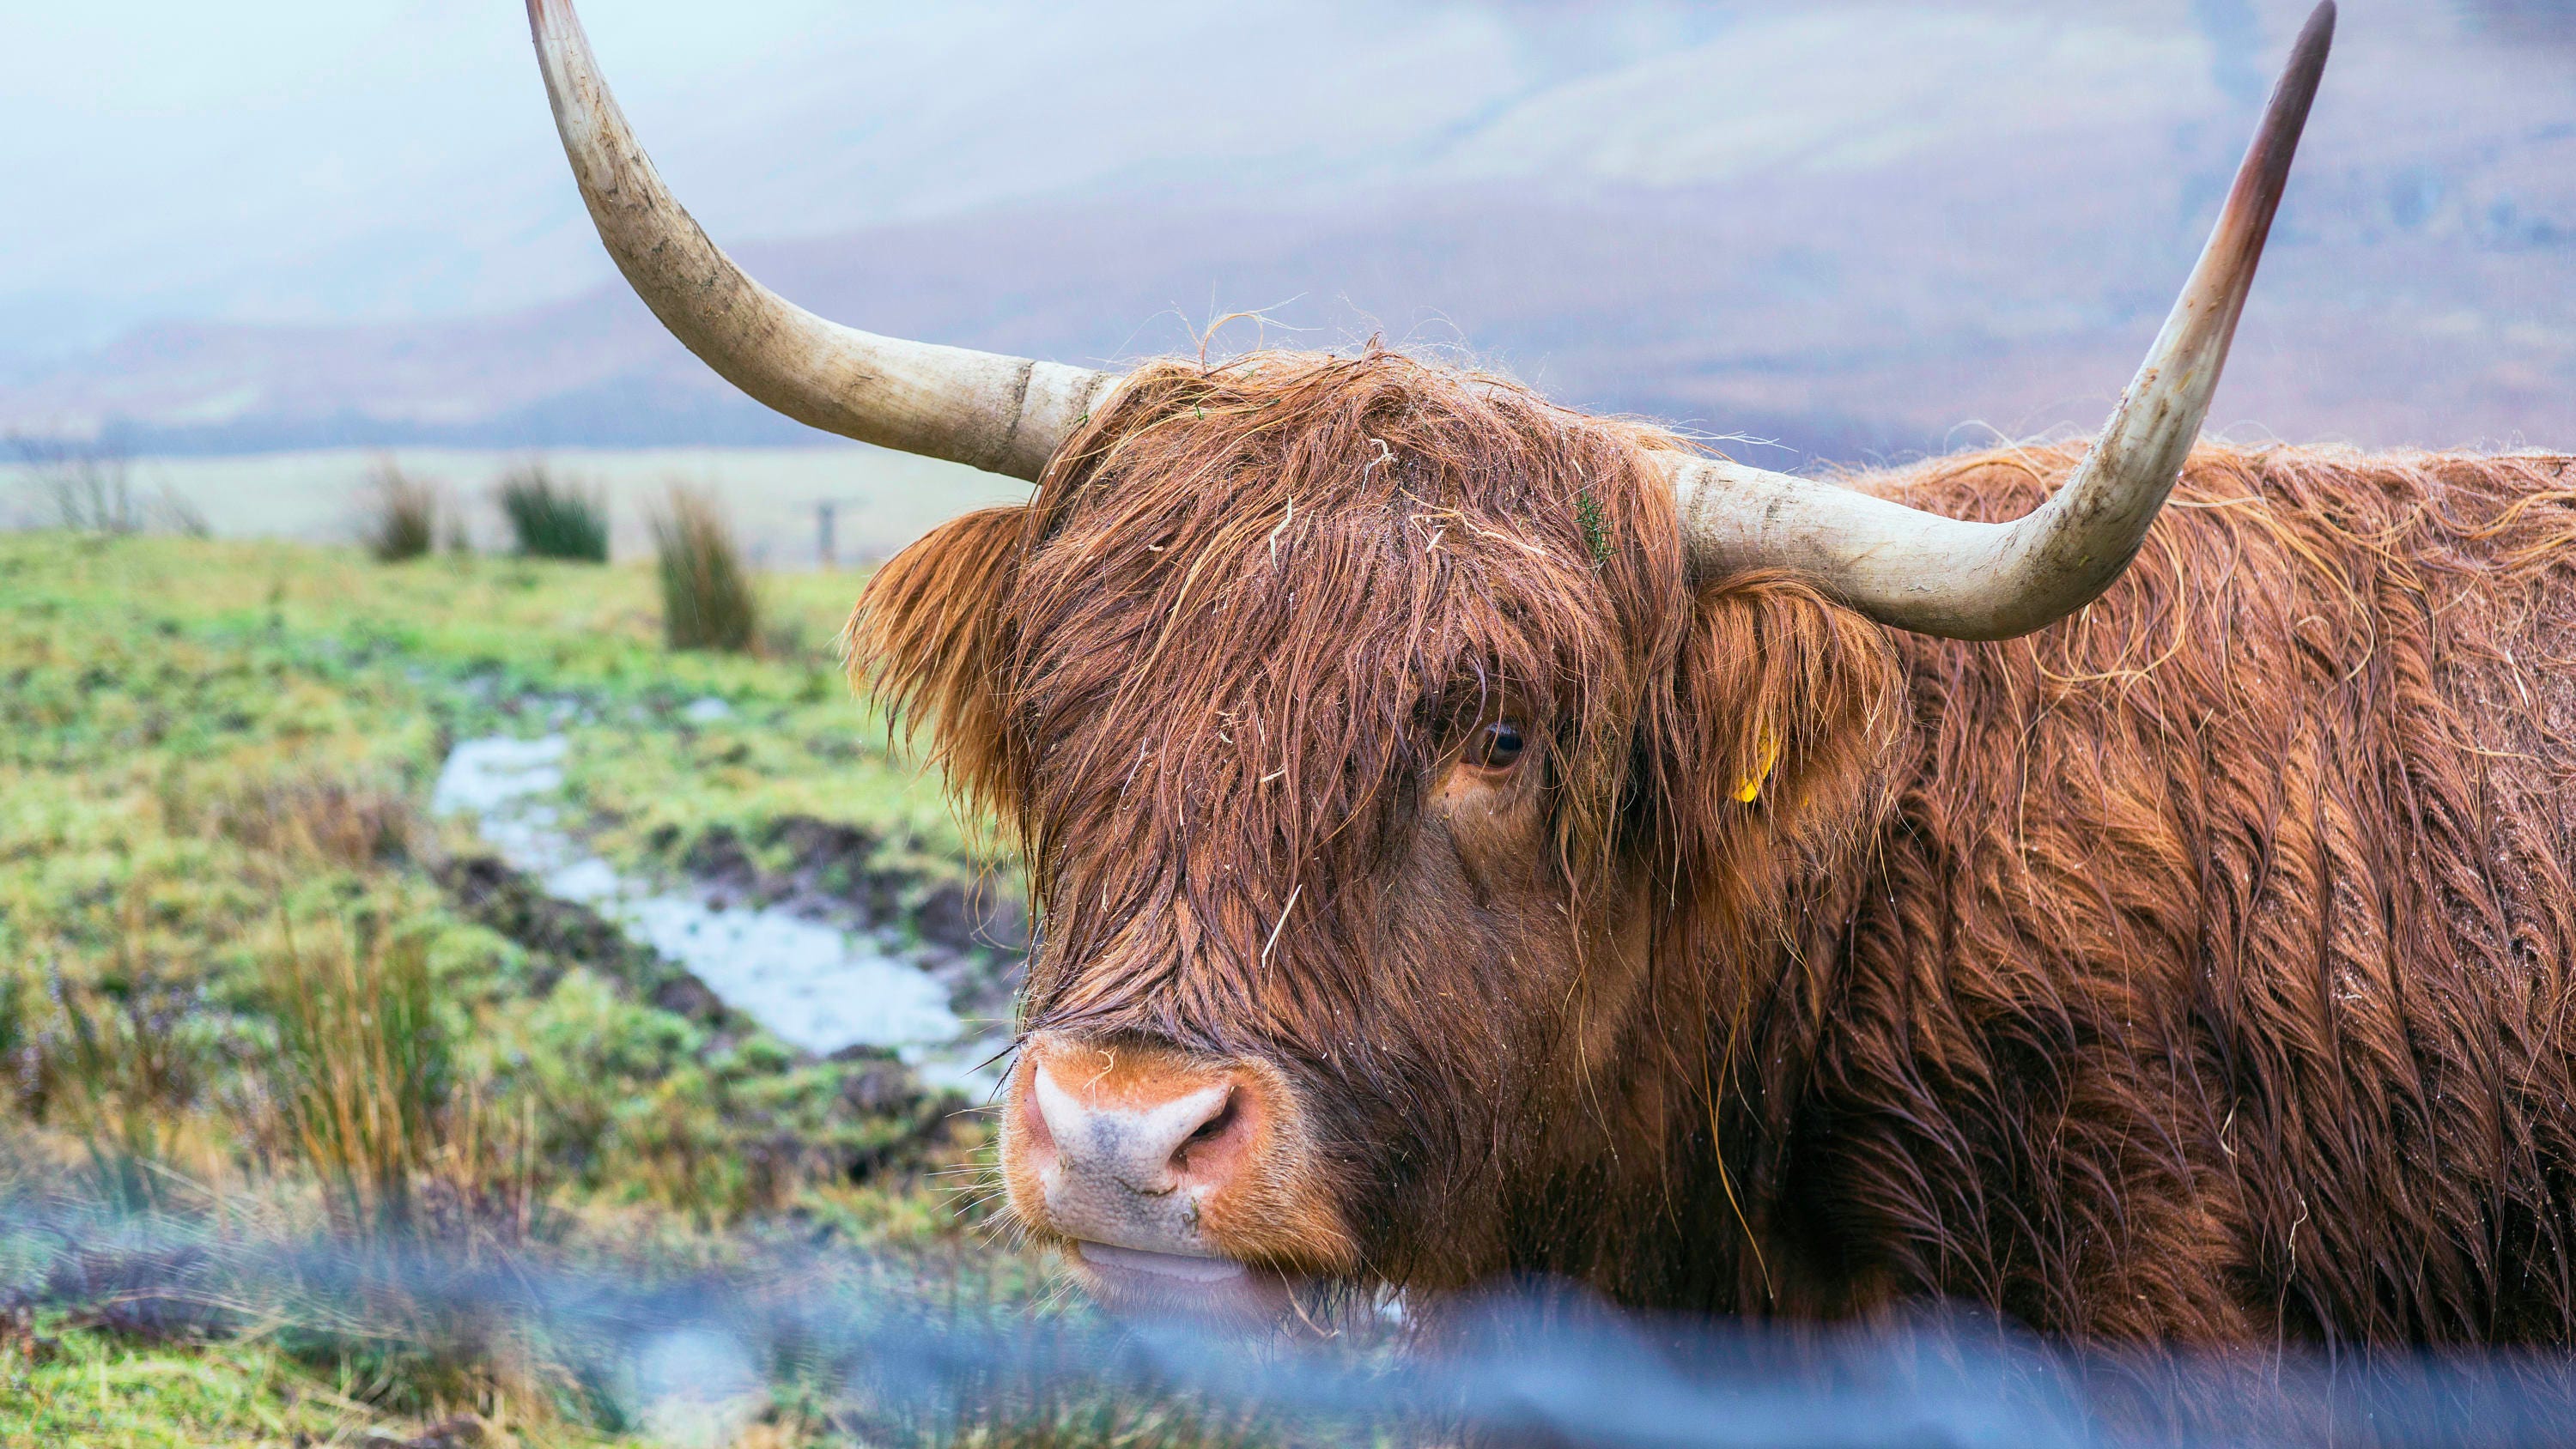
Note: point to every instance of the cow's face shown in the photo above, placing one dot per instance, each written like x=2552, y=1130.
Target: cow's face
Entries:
x=1357, y=722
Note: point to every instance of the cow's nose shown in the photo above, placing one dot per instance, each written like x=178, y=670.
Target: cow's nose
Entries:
x=1131, y=1148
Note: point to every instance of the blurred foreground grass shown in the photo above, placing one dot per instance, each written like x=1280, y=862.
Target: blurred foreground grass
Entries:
x=236, y=961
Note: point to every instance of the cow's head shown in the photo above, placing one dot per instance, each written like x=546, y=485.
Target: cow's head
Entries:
x=1405, y=767
x=1369, y=744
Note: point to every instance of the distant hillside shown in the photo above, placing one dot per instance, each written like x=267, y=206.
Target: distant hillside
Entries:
x=1981, y=222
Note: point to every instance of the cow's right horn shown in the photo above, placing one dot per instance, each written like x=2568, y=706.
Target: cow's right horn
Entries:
x=1964, y=580
x=1004, y=414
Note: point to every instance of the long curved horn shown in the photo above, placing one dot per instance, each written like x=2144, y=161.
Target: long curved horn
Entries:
x=1003, y=414
x=1963, y=580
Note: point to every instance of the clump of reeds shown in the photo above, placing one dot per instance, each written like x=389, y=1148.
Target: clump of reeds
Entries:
x=403, y=511
x=553, y=519
x=89, y=486
x=362, y=1072
x=709, y=599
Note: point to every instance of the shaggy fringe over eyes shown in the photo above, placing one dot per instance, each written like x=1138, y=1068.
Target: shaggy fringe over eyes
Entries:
x=1250, y=599
x=1250, y=604
x=1255, y=601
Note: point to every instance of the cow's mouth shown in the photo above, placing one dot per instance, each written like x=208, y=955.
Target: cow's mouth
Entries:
x=1137, y=1280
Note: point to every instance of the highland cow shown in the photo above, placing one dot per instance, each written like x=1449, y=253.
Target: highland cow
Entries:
x=2125, y=885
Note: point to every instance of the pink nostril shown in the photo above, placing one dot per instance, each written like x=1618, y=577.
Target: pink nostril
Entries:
x=1200, y=1152
x=1211, y=1129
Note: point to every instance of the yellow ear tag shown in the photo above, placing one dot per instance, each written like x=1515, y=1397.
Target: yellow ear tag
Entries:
x=1748, y=789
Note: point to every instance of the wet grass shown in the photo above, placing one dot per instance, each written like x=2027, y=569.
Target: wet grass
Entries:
x=99, y=1389
x=228, y=965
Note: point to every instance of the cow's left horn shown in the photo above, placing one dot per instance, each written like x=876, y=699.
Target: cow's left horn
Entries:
x=1004, y=414
x=1964, y=580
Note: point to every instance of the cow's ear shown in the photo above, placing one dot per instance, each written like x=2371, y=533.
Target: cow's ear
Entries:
x=1782, y=709
x=924, y=642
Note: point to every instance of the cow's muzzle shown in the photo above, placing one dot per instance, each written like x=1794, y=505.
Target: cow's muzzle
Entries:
x=1177, y=1183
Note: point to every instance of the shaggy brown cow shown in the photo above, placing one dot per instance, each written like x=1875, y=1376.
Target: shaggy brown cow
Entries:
x=1473, y=837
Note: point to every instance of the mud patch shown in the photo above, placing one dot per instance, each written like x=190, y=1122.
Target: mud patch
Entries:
x=811, y=931
x=491, y=892
x=882, y=1117
x=972, y=938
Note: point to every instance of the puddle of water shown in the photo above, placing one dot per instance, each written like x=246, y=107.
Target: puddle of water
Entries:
x=815, y=985
x=481, y=776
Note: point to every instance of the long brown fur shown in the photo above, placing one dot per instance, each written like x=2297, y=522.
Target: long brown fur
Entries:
x=2209, y=974
x=2196, y=968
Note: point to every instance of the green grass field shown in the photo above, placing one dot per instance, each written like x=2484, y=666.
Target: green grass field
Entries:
x=238, y=976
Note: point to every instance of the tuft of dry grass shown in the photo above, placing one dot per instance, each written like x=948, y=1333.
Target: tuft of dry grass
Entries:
x=362, y=1073
x=709, y=600
x=319, y=819
x=403, y=524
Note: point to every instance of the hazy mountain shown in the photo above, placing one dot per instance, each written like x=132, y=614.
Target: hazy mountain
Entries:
x=1849, y=227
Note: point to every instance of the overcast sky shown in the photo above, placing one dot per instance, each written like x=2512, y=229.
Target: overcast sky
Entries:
x=233, y=159
x=294, y=161
x=337, y=159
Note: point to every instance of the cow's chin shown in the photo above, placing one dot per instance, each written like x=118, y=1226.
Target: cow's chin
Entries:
x=1171, y=1285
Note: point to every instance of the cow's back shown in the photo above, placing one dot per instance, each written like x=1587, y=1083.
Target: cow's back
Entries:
x=2213, y=973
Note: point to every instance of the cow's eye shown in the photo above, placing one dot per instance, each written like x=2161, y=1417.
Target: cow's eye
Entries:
x=1496, y=746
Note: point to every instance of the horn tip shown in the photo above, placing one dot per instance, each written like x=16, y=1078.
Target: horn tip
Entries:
x=2318, y=33
x=2308, y=53
x=2266, y=171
